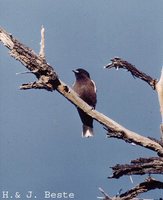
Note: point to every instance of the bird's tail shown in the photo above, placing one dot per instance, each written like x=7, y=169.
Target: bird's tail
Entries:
x=87, y=131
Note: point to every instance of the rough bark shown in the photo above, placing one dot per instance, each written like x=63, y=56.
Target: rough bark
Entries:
x=120, y=63
x=48, y=79
x=153, y=165
x=154, y=83
x=147, y=185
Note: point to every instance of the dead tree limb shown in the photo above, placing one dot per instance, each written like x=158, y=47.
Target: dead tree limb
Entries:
x=154, y=83
x=48, y=79
x=147, y=185
x=161, y=130
x=153, y=165
x=120, y=63
x=159, y=89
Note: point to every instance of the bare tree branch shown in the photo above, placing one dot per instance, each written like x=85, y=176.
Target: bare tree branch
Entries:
x=161, y=130
x=42, y=43
x=120, y=63
x=153, y=165
x=155, y=84
x=48, y=79
x=36, y=64
x=147, y=185
x=159, y=89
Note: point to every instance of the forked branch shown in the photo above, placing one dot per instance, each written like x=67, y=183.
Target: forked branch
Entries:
x=48, y=79
x=154, y=83
x=147, y=185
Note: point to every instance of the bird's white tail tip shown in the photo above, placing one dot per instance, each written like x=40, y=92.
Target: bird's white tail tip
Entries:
x=87, y=131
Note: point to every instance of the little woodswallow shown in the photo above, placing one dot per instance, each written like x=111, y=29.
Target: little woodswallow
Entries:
x=86, y=90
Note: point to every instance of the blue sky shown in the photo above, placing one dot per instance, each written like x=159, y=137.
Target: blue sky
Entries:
x=40, y=132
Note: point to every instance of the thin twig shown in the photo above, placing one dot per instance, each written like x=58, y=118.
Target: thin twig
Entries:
x=106, y=196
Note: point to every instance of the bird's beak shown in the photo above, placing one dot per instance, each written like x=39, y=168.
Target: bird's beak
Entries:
x=75, y=71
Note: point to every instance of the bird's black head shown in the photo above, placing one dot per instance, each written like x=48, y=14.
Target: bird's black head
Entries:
x=81, y=73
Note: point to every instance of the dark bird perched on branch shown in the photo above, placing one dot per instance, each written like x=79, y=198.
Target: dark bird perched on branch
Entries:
x=86, y=90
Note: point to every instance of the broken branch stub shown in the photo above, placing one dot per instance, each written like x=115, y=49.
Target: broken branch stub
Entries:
x=47, y=77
